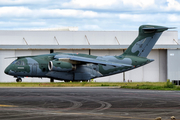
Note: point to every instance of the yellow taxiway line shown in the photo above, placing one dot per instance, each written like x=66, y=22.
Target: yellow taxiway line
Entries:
x=7, y=105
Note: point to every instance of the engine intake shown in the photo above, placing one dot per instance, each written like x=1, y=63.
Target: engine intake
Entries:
x=60, y=66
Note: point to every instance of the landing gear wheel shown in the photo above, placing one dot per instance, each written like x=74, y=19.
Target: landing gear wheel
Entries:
x=85, y=81
x=75, y=81
x=67, y=81
x=18, y=80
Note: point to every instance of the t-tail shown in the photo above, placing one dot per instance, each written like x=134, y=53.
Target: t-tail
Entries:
x=143, y=44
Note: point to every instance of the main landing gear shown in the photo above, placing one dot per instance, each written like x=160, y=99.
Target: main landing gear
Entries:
x=18, y=80
x=76, y=81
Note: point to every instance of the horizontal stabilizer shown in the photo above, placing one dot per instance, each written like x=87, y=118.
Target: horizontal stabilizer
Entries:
x=158, y=28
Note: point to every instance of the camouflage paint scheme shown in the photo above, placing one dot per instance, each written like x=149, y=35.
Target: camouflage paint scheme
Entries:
x=79, y=67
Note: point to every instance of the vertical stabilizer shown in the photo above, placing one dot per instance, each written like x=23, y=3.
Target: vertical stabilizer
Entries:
x=143, y=44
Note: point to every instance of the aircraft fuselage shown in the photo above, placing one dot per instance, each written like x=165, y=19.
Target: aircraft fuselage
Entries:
x=37, y=66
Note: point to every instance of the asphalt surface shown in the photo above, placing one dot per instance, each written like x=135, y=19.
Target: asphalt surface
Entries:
x=87, y=104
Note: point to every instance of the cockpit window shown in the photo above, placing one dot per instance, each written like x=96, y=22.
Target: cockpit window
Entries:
x=14, y=62
x=19, y=62
x=23, y=63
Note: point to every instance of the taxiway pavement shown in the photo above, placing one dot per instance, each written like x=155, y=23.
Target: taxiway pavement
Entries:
x=87, y=104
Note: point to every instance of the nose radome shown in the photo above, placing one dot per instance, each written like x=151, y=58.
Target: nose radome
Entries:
x=6, y=70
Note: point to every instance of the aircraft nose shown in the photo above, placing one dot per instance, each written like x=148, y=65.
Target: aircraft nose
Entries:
x=6, y=70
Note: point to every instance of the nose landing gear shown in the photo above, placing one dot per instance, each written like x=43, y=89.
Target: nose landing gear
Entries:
x=18, y=80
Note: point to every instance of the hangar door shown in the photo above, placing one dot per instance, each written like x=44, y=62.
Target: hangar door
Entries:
x=173, y=64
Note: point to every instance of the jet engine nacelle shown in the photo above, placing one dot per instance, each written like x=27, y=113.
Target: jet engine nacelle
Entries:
x=60, y=66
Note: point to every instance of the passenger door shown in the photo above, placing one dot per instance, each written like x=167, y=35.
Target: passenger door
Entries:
x=34, y=70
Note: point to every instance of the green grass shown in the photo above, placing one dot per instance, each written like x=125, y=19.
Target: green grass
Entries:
x=134, y=85
x=164, y=86
x=59, y=84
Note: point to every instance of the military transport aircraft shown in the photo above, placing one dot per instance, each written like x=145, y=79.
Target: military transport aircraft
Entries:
x=83, y=67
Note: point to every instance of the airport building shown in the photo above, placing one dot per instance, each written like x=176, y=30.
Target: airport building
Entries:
x=166, y=52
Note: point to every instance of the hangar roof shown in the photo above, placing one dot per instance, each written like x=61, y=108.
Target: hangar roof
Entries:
x=45, y=39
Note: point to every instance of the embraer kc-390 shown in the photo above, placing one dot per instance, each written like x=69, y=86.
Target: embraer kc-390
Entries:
x=83, y=67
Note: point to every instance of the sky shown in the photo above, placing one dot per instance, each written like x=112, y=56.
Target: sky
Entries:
x=88, y=15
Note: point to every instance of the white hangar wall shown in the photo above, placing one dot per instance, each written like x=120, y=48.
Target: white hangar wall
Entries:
x=20, y=43
x=155, y=71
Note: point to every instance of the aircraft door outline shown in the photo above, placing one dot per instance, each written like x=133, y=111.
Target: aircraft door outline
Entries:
x=34, y=69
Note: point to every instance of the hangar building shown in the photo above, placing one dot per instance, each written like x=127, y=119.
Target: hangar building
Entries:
x=34, y=42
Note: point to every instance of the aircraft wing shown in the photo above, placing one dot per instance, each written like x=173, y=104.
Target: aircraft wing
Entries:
x=18, y=57
x=95, y=61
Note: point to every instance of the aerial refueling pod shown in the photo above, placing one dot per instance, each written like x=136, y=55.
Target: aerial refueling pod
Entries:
x=61, y=66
